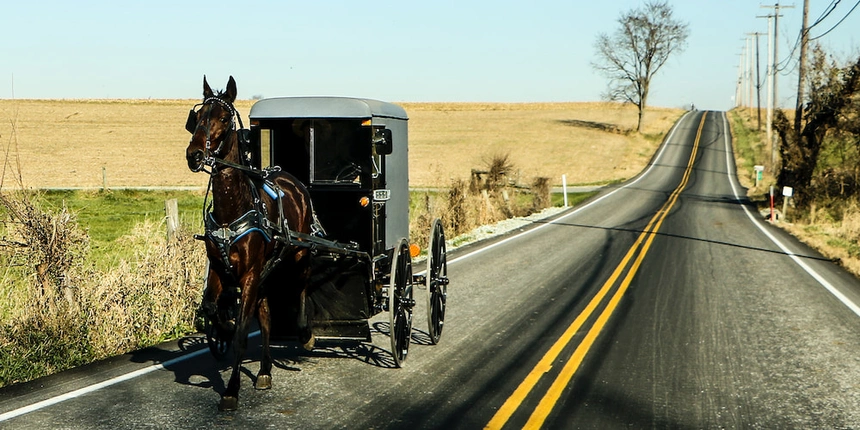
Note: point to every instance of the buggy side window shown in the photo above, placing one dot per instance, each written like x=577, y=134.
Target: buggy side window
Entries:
x=265, y=148
x=340, y=152
x=376, y=157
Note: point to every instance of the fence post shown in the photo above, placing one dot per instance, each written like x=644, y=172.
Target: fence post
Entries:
x=787, y=193
x=171, y=211
x=564, y=188
x=772, y=214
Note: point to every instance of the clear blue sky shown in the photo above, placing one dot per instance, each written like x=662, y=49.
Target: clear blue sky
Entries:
x=458, y=50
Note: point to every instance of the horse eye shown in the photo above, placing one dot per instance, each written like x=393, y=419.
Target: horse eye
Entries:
x=225, y=120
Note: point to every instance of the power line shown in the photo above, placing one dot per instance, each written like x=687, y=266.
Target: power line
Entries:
x=830, y=8
x=783, y=65
x=826, y=12
x=785, y=71
x=837, y=24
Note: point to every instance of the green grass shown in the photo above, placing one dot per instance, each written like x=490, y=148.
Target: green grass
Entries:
x=107, y=216
x=654, y=137
x=747, y=142
x=573, y=199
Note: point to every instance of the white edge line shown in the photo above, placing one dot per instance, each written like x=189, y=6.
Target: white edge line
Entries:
x=131, y=375
x=758, y=223
x=104, y=384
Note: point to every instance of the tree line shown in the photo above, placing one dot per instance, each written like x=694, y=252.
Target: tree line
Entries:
x=821, y=157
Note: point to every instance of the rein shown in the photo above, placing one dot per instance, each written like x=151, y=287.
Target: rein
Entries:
x=213, y=162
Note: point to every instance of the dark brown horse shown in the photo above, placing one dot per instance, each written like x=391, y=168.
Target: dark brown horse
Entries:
x=250, y=211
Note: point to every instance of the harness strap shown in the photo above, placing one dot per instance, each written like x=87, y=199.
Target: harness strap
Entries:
x=213, y=162
x=255, y=220
x=224, y=237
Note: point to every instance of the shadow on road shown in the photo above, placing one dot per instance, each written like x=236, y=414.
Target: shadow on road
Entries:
x=193, y=365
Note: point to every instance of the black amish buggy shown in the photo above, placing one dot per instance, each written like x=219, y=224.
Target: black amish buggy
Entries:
x=352, y=154
x=308, y=227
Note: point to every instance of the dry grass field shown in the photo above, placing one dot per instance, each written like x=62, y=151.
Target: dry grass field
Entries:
x=67, y=143
x=589, y=142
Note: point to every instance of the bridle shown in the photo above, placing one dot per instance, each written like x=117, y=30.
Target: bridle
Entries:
x=211, y=157
x=215, y=160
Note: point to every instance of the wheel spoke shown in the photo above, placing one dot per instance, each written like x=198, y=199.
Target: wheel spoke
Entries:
x=218, y=345
x=400, y=302
x=437, y=274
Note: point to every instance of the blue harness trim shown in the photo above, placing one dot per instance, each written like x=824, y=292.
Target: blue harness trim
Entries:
x=255, y=220
x=251, y=221
x=268, y=189
x=225, y=237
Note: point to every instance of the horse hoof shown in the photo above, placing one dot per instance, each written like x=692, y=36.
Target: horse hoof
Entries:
x=264, y=382
x=309, y=345
x=228, y=403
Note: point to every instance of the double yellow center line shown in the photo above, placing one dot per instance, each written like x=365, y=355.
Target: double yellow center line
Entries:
x=550, y=398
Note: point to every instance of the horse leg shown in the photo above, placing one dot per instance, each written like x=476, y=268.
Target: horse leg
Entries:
x=230, y=398
x=210, y=296
x=264, y=377
x=306, y=335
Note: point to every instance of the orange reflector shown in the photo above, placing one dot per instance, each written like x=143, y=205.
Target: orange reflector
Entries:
x=414, y=250
x=364, y=201
x=366, y=122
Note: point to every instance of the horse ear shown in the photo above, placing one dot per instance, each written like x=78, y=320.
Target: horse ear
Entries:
x=231, y=90
x=207, y=92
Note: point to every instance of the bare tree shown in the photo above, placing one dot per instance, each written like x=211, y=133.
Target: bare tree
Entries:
x=632, y=55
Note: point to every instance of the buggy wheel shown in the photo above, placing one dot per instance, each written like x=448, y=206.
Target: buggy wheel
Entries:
x=400, y=302
x=436, y=281
x=218, y=345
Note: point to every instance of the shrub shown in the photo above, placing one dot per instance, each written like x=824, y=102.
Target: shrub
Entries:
x=72, y=313
x=490, y=196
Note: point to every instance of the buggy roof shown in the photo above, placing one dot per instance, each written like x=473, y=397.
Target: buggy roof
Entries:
x=324, y=107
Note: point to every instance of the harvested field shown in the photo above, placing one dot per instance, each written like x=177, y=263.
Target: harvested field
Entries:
x=589, y=142
x=68, y=143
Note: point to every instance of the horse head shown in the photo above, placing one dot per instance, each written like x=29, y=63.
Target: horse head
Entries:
x=211, y=126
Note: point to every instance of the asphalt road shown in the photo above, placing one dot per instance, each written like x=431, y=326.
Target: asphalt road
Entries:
x=665, y=302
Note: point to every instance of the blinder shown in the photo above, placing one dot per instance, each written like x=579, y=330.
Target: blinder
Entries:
x=191, y=122
x=244, y=136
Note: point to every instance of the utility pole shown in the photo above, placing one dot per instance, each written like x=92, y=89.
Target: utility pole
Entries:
x=739, y=86
x=801, y=71
x=757, y=78
x=773, y=73
x=749, y=72
x=744, y=73
x=776, y=7
x=770, y=67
